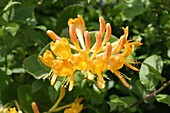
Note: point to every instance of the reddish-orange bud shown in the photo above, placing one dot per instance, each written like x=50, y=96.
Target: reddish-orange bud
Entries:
x=108, y=33
x=87, y=41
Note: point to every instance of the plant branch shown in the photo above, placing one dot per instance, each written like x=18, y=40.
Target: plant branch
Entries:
x=147, y=96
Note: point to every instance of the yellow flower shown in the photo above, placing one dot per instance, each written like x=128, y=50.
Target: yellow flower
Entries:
x=12, y=110
x=79, y=25
x=48, y=58
x=80, y=61
x=61, y=48
x=70, y=110
x=91, y=60
x=62, y=68
x=76, y=107
x=117, y=61
x=100, y=65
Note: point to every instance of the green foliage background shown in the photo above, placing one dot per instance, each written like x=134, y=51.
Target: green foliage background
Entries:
x=22, y=36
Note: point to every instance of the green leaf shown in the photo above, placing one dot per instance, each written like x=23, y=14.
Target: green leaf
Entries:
x=36, y=85
x=133, y=9
x=12, y=28
x=53, y=94
x=138, y=89
x=168, y=53
x=18, y=70
x=24, y=13
x=25, y=98
x=164, y=98
x=9, y=93
x=41, y=27
x=5, y=79
x=10, y=43
x=150, y=72
x=10, y=4
x=88, y=1
x=154, y=72
x=32, y=66
x=78, y=76
x=120, y=103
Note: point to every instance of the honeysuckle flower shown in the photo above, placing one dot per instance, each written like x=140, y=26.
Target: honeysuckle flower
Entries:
x=48, y=58
x=117, y=61
x=64, y=68
x=61, y=48
x=76, y=107
x=80, y=60
x=100, y=65
x=12, y=110
x=79, y=25
x=91, y=60
x=118, y=45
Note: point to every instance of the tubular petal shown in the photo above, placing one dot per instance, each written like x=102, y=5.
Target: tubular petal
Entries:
x=70, y=110
x=80, y=61
x=100, y=82
x=62, y=68
x=102, y=26
x=135, y=43
x=53, y=79
x=119, y=44
x=52, y=35
x=48, y=58
x=71, y=82
x=131, y=67
x=117, y=73
x=87, y=41
x=81, y=21
x=78, y=22
x=90, y=75
x=126, y=31
x=128, y=50
x=116, y=62
x=61, y=48
x=108, y=33
x=108, y=50
x=97, y=45
x=34, y=107
x=73, y=36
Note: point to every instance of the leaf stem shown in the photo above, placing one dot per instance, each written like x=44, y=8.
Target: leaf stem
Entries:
x=147, y=96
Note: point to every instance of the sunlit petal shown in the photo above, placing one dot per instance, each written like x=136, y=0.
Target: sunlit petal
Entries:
x=61, y=48
x=102, y=26
x=52, y=35
x=48, y=58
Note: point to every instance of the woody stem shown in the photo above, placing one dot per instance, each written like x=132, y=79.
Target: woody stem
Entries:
x=147, y=96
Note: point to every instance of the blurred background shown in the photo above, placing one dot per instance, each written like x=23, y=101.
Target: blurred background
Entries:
x=23, y=25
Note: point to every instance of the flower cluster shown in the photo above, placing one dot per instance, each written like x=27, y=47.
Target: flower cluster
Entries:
x=92, y=60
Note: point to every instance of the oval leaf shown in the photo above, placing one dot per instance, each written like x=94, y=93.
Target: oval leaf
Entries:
x=150, y=72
